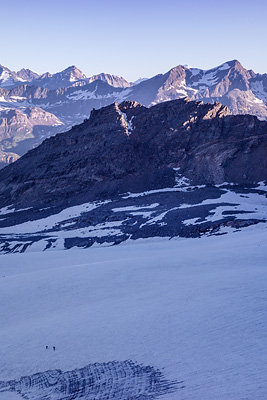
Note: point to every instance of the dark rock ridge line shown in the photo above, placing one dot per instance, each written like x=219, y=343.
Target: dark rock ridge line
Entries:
x=113, y=380
x=131, y=148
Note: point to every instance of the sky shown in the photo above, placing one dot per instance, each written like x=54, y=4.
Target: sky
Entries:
x=132, y=38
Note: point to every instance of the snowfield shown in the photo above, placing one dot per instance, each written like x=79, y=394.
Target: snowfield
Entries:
x=157, y=318
x=180, y=211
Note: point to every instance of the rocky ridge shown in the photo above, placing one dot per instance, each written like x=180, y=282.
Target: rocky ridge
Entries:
x=129, y=147
x=180, y=168
x=70, y=95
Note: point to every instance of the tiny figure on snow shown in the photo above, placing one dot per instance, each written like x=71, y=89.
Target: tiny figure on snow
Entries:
x=46, y=347
x=54, y=348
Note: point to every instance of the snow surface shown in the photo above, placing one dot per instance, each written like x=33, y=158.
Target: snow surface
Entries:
x=258, y=90
x=208, y=75
x=194, y=308
x=209, y=78
x=135, y=208
x=223, y=67
x=252, y=205
x=80, y=94
x=7, y=210
x=48, y=222
x=52, y=231
x=129, y=124
x=6, y=79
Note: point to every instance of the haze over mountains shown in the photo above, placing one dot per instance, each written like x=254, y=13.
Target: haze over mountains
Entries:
x=33, y=107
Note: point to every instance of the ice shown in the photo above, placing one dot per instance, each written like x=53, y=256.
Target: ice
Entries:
x=194, y=308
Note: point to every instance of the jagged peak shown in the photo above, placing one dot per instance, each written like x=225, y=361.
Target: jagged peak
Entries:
x=27, y=74
x=179, y=70
x=234, y=63
x=74, y=72
x=71, y=68
x=112, y=80
x=128, y=104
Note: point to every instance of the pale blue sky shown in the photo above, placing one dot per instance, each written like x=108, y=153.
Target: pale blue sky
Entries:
x=132, y=38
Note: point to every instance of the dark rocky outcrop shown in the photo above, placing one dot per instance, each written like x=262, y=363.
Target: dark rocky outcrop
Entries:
x=129, y=147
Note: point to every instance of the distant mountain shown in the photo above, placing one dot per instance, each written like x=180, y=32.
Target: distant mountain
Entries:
x=112, y=80
x=70, y=96
x=24, y=128
x=7, y=157
x=27, y=75
x=244, y=92
x=9, y=78
x=62, y=79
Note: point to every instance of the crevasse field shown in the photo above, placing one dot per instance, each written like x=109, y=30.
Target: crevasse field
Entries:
x=169, y=319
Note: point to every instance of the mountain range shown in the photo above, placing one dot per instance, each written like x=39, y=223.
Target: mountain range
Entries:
x=34, y=107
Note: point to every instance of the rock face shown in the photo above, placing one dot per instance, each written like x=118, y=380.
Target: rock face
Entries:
x=70, y=96
x=27, y=75
x=129, y=147
x=16, y=123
